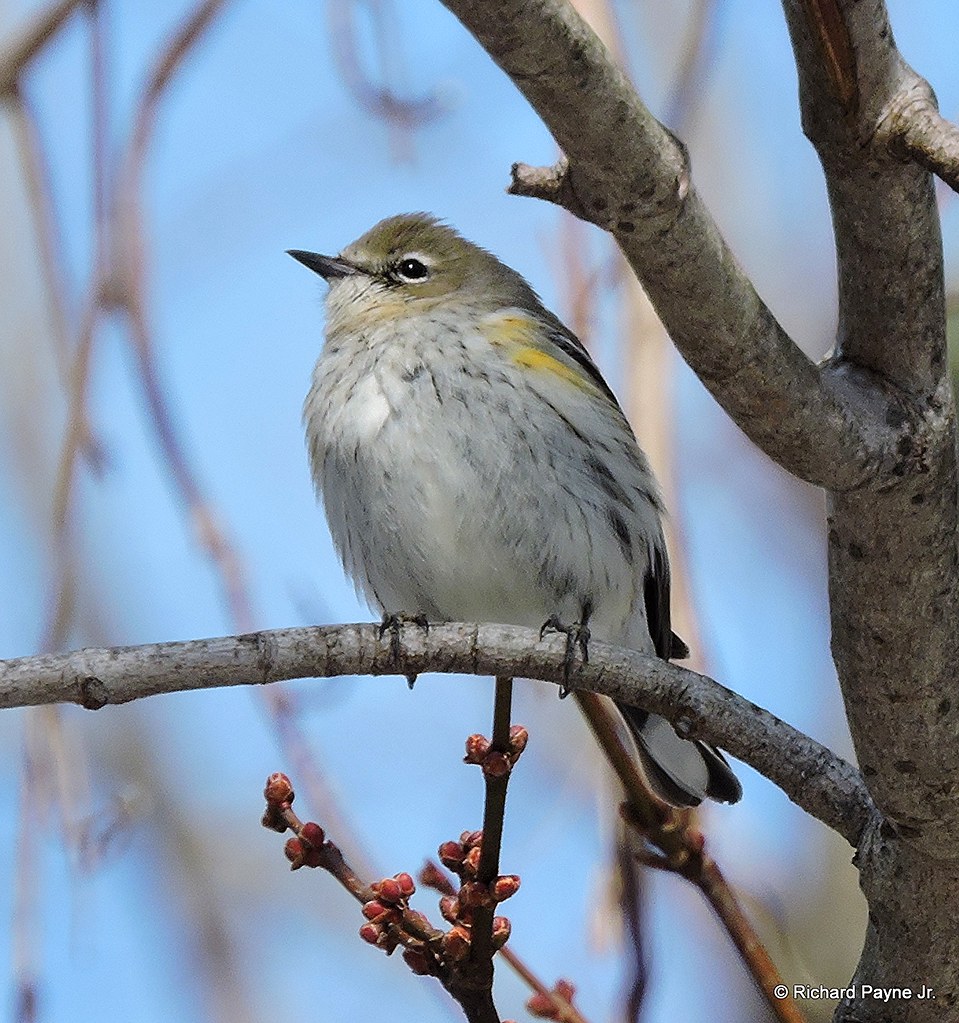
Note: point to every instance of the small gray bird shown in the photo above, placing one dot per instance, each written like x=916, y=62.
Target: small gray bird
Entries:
x=475, y=466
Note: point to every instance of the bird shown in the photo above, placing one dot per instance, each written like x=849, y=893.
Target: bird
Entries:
x=475, y=466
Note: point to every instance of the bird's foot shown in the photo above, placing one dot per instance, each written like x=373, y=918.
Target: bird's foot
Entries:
x=577, y=636
x=393, y=622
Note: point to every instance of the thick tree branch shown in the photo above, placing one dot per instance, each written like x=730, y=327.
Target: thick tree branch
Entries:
x=813, y=777
x=893, y=559
x=894, y=581
x=874, y=424
x=628, y=174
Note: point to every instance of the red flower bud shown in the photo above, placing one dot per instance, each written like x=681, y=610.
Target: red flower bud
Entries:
x=501, y=931
x=477, y=746
x=273, y=819
x=278, y=789
x=313, y=834
x=471, y=862
x=371, y=933
x=506, y=886
x=450, y=908
x=405, y=882
x=518, y=738
x=372, y=910
x=432, y=877
x=293, y=851
x=565, y=990
x=475, y=894
x=451, y=855
x=456, y=943
x=388, y=890
x=417, y=961
x=542, y=1006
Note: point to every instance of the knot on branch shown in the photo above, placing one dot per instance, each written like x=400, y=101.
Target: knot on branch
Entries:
x=552, y=184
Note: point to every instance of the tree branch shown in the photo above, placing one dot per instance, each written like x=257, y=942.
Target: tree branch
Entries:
x=893, y=556
x=813, y=777
x=627, y=173
x=18, y=51
x=917, y=129
x=894, y=580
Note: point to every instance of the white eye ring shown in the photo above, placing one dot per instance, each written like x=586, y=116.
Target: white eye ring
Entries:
x=412, y=269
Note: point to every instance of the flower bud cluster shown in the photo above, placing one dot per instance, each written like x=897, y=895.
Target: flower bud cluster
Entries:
x=463, y=858
x=388, y=914
x=496, y=764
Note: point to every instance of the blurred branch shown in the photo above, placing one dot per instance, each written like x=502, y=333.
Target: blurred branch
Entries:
x=682, y=850
x=36, y=175
x=17, y=53
x=127, y=291
x=817, y=780
x=27, y=880
x=381, y=99
x=168, y=63
x=697, y=53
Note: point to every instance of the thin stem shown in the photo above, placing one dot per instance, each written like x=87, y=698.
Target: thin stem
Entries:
x=481, y=949
x=684, y=850
x=21, y=50
x=496, y=786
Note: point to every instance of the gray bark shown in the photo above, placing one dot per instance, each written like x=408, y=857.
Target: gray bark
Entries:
x=873, y=424
x=813, y=777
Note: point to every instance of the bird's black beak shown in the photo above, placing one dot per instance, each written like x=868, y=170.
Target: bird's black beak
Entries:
x=328, y=267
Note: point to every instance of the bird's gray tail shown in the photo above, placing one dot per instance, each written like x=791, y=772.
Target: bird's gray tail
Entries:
x=681, y=771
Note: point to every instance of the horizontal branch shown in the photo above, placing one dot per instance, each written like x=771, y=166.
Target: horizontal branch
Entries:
x=811, y=775
x=626, y=172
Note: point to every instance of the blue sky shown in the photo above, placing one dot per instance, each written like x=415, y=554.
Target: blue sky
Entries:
x=260, y=147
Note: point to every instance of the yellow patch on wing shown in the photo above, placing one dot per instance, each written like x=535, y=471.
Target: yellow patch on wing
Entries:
x=534, y=358
x=516, y=334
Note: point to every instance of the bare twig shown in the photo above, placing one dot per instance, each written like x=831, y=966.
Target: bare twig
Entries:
x=100, y=116
x=919, y=131
x=50, y=246
x=390, y=920
x=696, y=57
x=383, y=99
x=60, y=612
x=493, y=817
x=433, y=876
x=683, y=849
x=18, y=52
x=165, y=67
x=128, y=292
x=817, y=780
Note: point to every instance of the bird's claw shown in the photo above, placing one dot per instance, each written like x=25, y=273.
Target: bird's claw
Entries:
x=577, y=636
x=393, y=622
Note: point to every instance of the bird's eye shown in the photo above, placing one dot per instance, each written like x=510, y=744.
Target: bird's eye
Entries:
x=412, y=270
